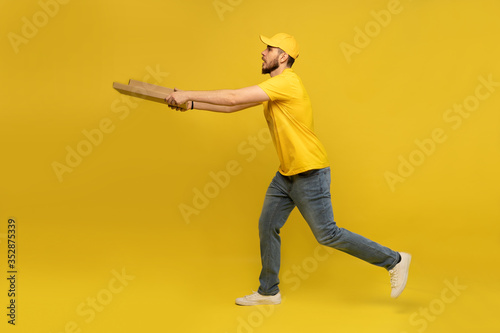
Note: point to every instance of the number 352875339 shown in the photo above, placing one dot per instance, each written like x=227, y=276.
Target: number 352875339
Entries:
x=11, y=243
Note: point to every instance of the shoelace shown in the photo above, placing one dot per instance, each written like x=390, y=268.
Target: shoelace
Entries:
x=394, y=277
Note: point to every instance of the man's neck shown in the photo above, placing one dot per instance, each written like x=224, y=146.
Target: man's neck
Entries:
x=278, y=71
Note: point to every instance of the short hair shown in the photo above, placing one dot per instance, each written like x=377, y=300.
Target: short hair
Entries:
x=290, y=60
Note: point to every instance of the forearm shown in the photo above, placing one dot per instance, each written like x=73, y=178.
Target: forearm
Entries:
x=215, y=97
x=222, y=108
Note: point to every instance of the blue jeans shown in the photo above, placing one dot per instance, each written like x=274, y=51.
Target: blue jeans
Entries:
x=310, y=192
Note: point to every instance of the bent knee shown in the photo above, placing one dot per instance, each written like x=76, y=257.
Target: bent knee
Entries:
x=329, y=236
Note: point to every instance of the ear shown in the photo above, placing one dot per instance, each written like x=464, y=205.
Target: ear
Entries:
x=284, y=57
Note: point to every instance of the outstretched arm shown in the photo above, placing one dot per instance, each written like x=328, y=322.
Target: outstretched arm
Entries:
x=220, y=100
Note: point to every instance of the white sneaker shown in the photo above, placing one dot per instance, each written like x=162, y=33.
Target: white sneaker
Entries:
x=258, y=299
x=399, y=275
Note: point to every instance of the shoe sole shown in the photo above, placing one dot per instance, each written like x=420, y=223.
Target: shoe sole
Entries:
x=257, y=303
x=269, y=301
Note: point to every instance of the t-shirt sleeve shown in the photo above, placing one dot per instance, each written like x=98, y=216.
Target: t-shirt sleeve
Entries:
x=277, y=88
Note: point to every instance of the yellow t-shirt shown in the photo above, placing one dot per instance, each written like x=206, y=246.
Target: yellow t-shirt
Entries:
x=290, y=121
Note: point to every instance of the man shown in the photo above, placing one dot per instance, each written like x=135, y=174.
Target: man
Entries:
x=303, y=178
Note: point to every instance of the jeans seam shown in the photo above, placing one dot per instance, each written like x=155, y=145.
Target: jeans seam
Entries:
x=269, y=230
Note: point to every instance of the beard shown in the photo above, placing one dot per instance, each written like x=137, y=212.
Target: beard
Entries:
x=271, y=67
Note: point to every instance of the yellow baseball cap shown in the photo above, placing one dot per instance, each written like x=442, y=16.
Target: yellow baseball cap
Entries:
x=285, y=42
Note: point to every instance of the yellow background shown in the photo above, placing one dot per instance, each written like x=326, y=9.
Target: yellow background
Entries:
x=119, y=210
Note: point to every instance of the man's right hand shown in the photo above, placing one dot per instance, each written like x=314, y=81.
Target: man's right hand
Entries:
x=177, y=108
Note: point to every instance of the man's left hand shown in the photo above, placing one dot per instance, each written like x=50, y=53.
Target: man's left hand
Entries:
x=178, y=97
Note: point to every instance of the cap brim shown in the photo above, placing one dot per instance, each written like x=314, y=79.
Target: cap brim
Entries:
x=267, y=41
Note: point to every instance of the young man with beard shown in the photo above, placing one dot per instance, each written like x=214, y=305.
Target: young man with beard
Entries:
x=303, y=178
